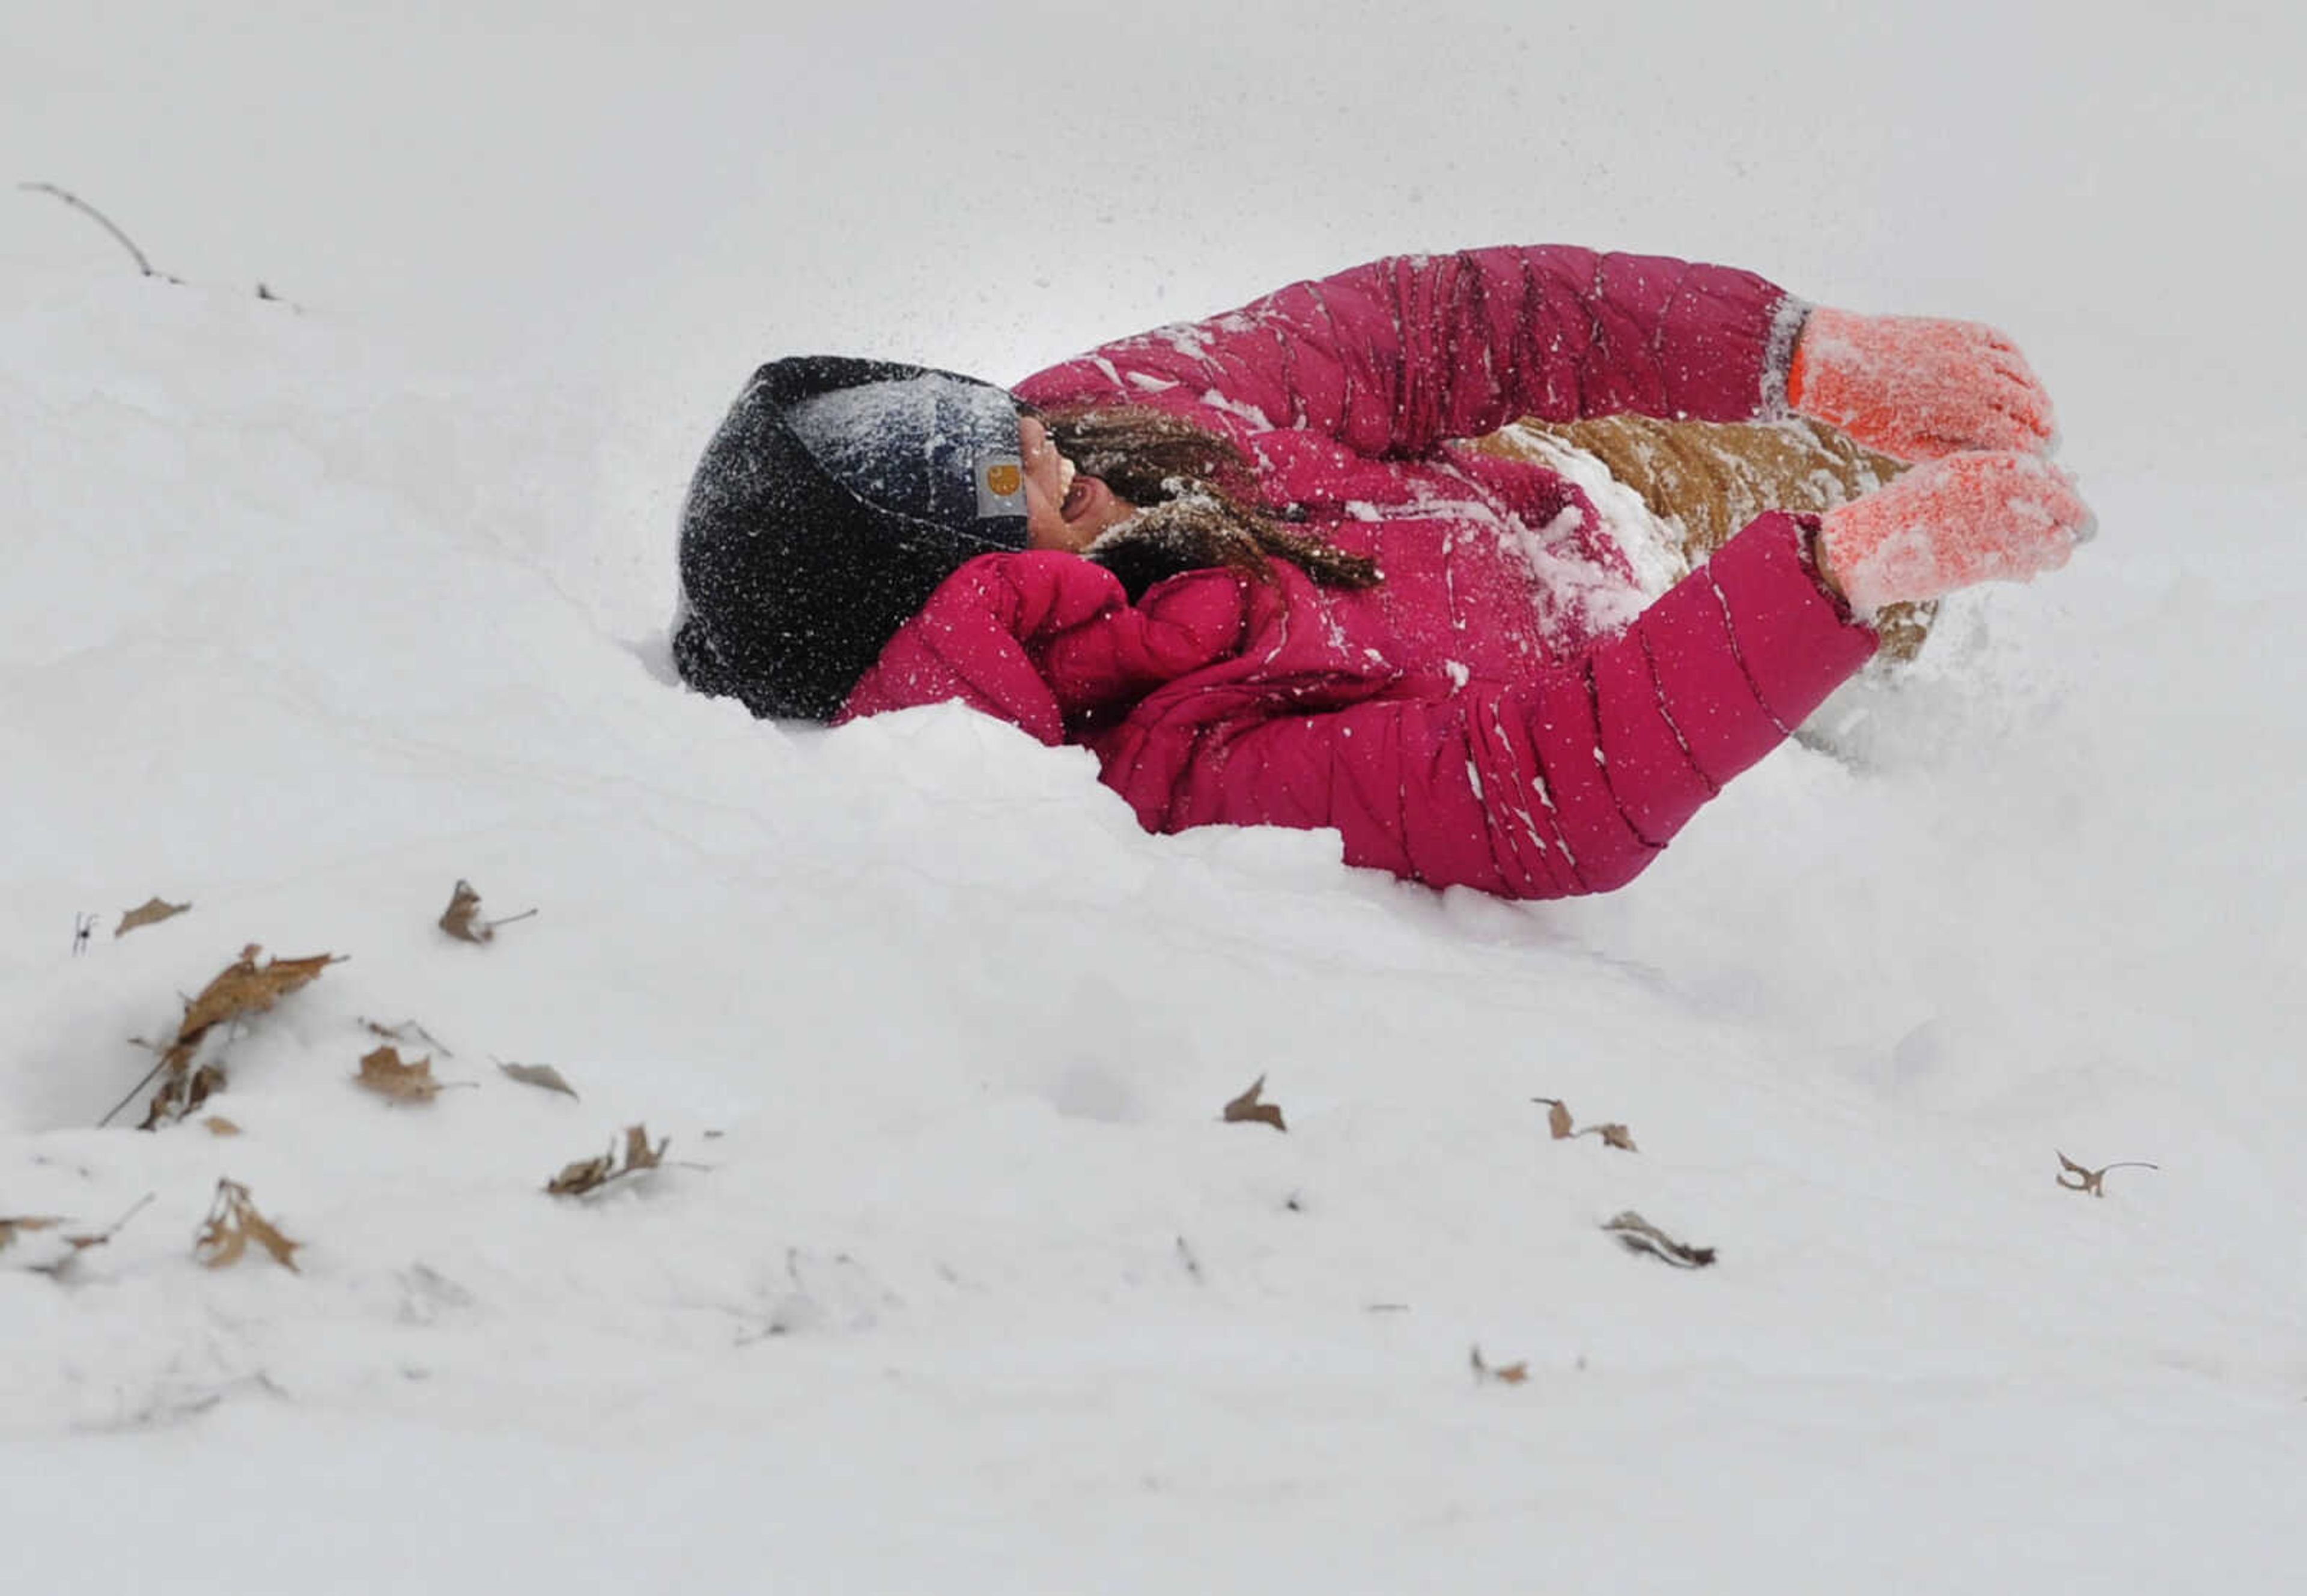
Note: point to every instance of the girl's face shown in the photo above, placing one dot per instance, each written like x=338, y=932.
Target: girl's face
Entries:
x=1064, y=509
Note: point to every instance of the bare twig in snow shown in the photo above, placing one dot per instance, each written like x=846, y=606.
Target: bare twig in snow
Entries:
x=2093, y=1181
x=76, y=1244
x=1637, y=1234
x=102, y=220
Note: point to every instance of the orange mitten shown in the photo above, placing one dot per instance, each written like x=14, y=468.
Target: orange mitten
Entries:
x=1997, y=515
x=1919, y=387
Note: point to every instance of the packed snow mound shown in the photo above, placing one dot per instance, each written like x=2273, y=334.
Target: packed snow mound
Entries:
x=304, y=636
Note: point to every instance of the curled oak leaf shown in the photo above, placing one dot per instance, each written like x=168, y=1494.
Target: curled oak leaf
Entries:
x=2093, y=1181
x=545, y=1076
x=587, y=1174
x=232, y=1223
x=220, y=1125
x=383, y=1072
x=1250, y=1107
x=1637, y=1234
x=635, y=1156
x=245, y=988
x=1613, y=1136
x=461, y=919
x=1503, y=1374
x=151, y=912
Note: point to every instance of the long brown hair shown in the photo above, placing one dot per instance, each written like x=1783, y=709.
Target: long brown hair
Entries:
x=1196, y=494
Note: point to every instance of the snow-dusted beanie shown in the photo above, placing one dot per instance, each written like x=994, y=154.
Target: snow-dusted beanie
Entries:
x=834, y=499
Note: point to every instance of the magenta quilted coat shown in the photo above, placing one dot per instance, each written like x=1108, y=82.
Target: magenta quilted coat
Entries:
x=1505, y=710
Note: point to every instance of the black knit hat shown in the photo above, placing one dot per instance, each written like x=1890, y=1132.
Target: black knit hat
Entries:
x=836, y=497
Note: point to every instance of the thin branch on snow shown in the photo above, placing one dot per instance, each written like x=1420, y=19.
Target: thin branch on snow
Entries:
x=102, y=220
x=152, y=1076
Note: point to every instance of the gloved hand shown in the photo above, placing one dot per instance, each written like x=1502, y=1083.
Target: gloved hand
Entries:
x=1997, y=514
x=1919, y=387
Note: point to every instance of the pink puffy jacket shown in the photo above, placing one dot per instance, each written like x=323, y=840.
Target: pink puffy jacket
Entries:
x=1500, y=711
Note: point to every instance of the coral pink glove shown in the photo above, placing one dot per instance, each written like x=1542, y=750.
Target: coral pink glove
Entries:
x=1970, y=518
x=1918, y=387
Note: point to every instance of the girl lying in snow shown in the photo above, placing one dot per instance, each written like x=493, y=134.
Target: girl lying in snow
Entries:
x=1254, y=566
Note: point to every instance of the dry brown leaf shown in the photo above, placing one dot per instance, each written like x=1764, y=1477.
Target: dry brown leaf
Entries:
x=638, y=1153
x=542, y=1075
x=232, y=1223
x=151, y=912
x=220, y=1125
x=1502, y=1374
x=243, y=988
x=1559, y=1126
x=1250, y=1107
x=383, y=1072
x=587, y=1174
x=2093, y=1181
x=1637, y=1234
x=207, y=1079
x=590, y=1174
x=461, y=919
x=458, y=919
x=240, y=989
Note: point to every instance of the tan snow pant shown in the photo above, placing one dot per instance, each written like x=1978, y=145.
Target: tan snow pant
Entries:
x=1706, y=480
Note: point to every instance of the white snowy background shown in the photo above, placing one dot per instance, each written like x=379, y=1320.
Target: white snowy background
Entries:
x=309, y=608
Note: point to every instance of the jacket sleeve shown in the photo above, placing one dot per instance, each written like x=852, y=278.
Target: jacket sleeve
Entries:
x=1047, y=640
x=1568, y=783
x=1401, y=354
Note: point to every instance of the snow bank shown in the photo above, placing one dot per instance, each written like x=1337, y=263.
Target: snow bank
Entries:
x=957, y=1282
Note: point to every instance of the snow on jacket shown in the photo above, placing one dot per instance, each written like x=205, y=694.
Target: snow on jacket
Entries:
x=1502, y=711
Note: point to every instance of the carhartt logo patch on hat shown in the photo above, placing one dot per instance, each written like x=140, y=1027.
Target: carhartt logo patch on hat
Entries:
x=1001, y=488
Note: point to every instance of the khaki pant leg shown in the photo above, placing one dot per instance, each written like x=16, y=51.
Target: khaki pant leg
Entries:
x=1707, y=479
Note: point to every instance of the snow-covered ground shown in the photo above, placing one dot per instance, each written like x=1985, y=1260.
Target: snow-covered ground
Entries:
x=954, y=1280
